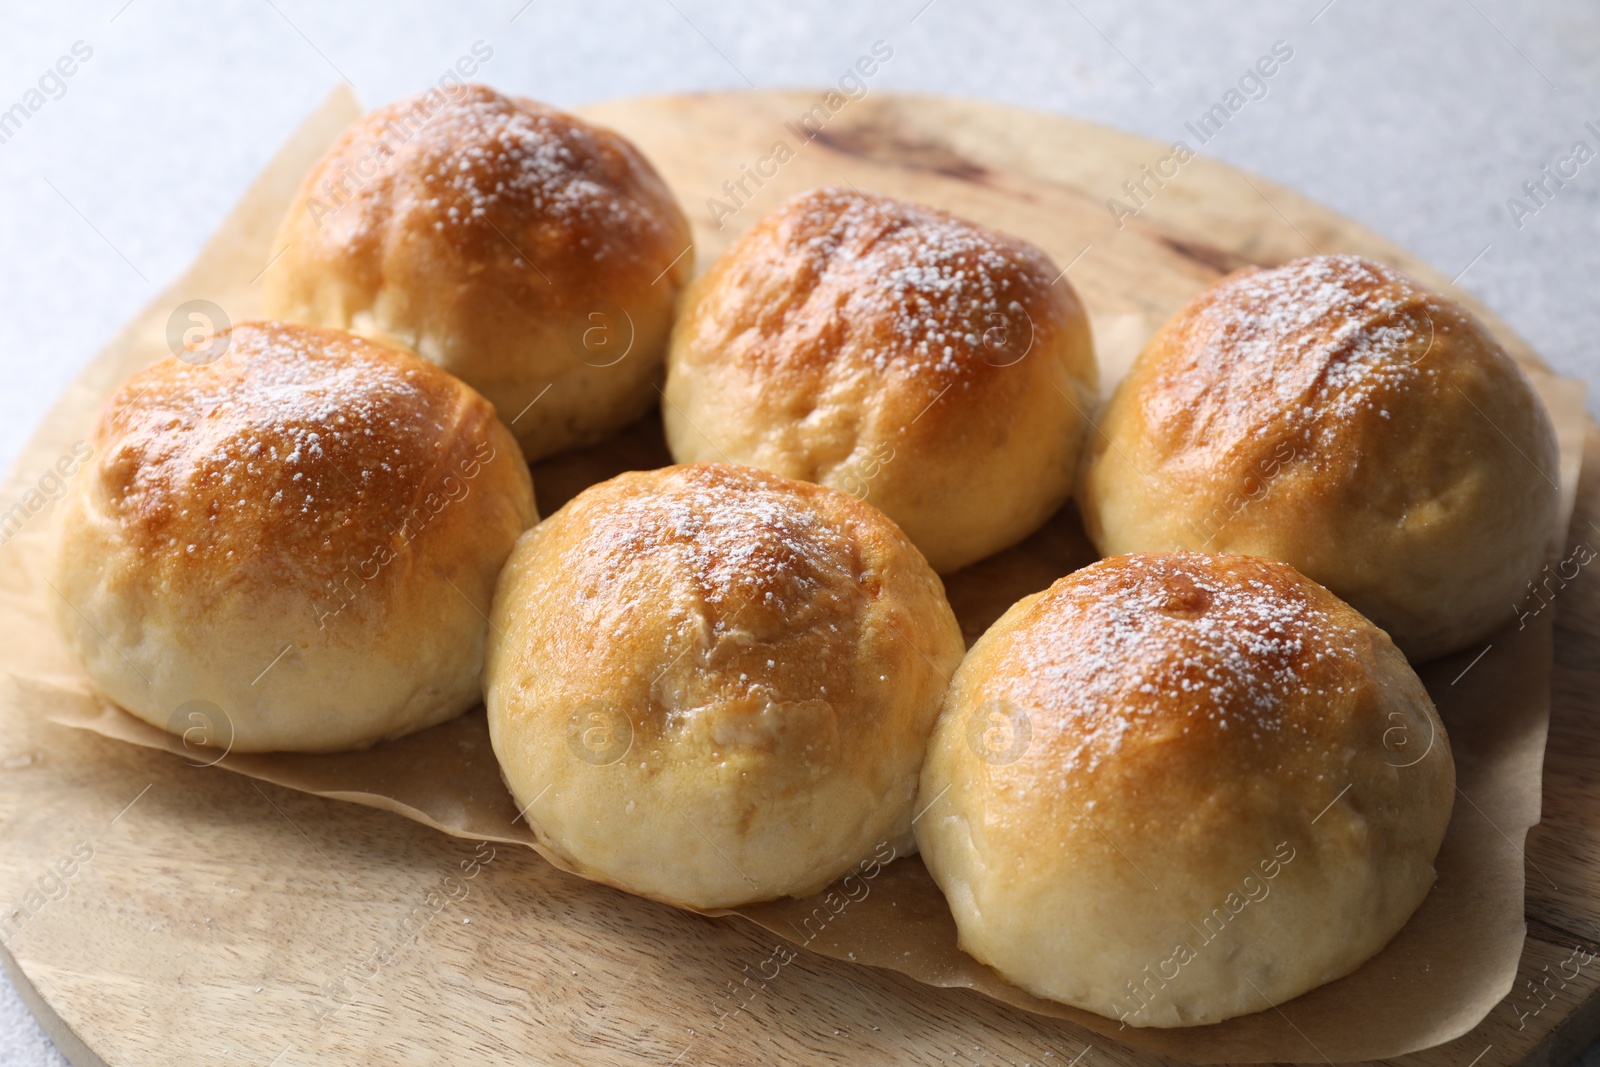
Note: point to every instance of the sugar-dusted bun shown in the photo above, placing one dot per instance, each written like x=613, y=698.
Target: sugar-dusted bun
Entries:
x=301, y=537
x=517, y=246
x=933, y=367
x=711, y=685
x=1334, y=413
x=1173, y=789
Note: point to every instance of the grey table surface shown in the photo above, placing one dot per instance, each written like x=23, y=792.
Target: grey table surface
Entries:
x=1422, y=119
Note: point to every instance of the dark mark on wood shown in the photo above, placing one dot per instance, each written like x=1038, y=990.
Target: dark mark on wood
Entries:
x=883, y=144
x=1214, y=260
x=1551, y=934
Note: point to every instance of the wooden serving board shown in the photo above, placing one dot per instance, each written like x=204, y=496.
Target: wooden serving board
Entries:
x=173, y=914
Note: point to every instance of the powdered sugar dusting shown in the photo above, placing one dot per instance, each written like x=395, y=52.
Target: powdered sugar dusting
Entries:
x=495, y=154
x=750, y=590
x=1151, y=643
x=522, y=178
x=926, y=289
x=1328, y=338
x=743, y=537
x=308, y=439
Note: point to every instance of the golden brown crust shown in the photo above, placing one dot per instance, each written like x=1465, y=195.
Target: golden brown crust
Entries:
x=313, y=502
x=834, y=283
x=1270, y=661
x=1335, y=414
x=843, y=332
x=475, y=228
x=301, y=450
x=774, y=653
x=780, y=565
x=1120, y=752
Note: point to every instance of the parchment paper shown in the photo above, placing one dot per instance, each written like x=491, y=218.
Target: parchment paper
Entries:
x=1440, y=976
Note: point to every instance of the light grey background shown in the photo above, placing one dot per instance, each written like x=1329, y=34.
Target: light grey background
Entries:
x=1420, y=118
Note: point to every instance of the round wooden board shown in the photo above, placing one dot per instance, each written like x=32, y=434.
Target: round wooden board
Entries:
x=212, y=912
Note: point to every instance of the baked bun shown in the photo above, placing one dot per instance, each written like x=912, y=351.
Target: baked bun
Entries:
x=518, y=247
x=1172, y=789
x=929, y=365
x=711, y=685
x=1334, y=413
x=304, y=536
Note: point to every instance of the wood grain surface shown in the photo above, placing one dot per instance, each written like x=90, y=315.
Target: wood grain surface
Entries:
x=154, y=912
